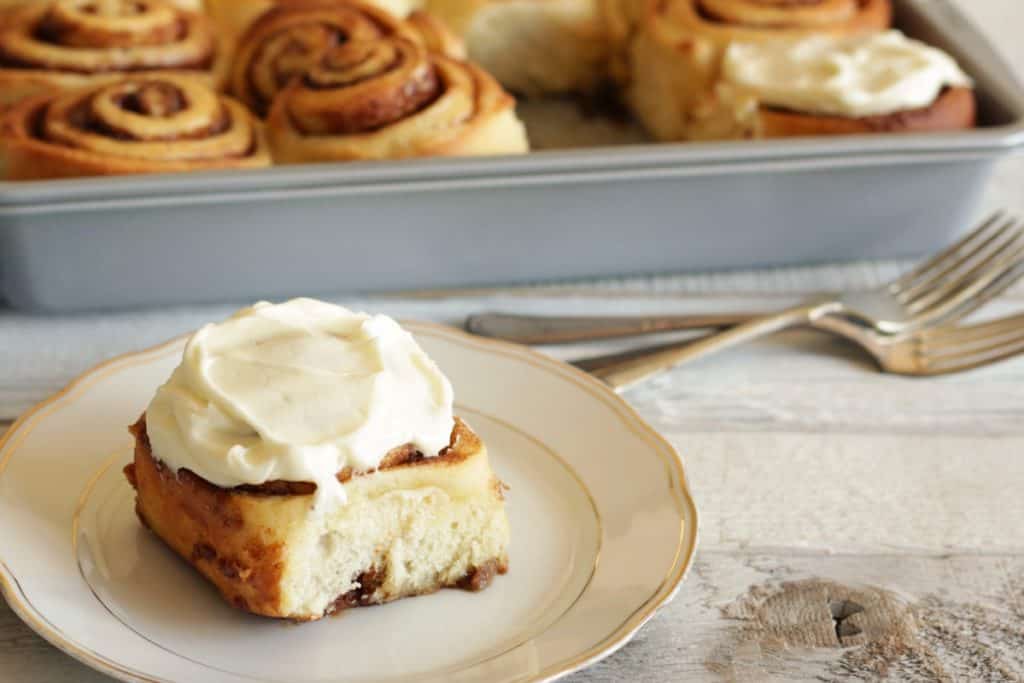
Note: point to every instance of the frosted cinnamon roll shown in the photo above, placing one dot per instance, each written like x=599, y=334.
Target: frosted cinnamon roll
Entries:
x=295, y=34
x=144, y=124
x=674, y=57
x=66, y=44
x=388, y=99
x=822, y=85
x=533, y=47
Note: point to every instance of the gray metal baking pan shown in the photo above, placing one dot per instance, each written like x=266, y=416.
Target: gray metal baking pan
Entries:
x=74, y=245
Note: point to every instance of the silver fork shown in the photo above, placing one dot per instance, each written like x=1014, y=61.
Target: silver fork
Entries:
x=955, y=348
x=928, y=352
x=941, y=291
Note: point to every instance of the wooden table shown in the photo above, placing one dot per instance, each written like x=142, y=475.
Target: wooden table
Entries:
x=854, y=525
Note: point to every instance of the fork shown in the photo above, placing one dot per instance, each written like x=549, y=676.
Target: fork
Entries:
x=955, y=348
x=929, y=352
x=892, y=322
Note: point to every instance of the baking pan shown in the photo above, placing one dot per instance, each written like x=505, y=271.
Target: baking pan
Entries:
x=71, y=245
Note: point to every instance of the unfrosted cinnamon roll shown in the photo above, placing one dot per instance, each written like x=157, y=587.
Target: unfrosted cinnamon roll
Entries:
x=676, y=51
x=66, y=44
x=533, y=47
x=295, y=34
x=391, y=98
x=234, y=17
x=620, y=18
x=154, y=123
x=190, y=5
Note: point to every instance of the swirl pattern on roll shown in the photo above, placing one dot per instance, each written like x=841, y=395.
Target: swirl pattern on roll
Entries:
x=289, y=38
x=89, y=37
x=147, y=124
x=781, y=15
x=391, y=98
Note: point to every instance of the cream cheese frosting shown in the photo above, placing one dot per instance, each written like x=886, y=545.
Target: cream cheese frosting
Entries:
x=858, y=76
x=297, y=392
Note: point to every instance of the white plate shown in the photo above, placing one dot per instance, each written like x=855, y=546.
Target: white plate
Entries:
x=603, y=531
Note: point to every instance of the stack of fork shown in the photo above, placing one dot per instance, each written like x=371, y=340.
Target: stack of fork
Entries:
x=912, y=326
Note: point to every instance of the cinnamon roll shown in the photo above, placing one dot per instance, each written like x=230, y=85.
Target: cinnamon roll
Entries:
x=533, y=47
x=879, y=83
x=307, y=459
x=621, y=18
x=391, y=98
x=295, y=34
x=190, y=5
x=154, y=123
x=436, y=35
x=676, y=52
x=67, y=44
x=233, y=17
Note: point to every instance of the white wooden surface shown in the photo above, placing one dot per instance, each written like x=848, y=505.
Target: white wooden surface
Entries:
x=855, y=526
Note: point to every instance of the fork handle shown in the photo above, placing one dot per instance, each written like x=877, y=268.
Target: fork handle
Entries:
x=621, y=371
x=541, y=329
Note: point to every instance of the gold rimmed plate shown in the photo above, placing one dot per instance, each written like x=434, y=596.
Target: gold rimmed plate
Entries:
x=603, y=531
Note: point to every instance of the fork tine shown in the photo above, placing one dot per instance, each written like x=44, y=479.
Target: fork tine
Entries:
x=959, y=300
x=987, y=294
x=908, y=279
x=989, y=263
x=972, y=360
x=940, y=339
x=949, y=276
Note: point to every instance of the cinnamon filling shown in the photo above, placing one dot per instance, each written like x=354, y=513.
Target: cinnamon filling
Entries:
x=709, y=15
x=370, y=581
x=154, y=99
x=362, y=596
x=140, y=120
x=128, y=8
x=403, y=456
x=896, y=121
x=77, y=40
x=36, y=122
x=290, y=38
x=58, y=31
x=365, y=86
x=382, y=107
x=287, y=55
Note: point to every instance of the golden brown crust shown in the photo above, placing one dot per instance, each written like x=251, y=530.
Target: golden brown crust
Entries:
x=391, y=98
x=688, y=23
x=152, y=123
x=955, y=109
x=211, y=528
x=293, y=35
x=749, y=19
x=61, y=44
x=206, y=526
x=436, y=35
x=233, y=17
